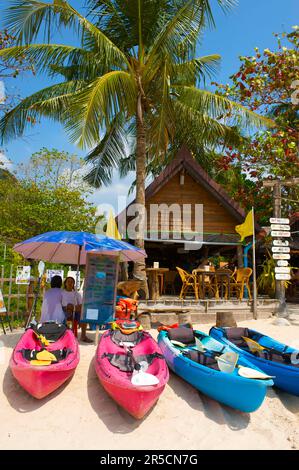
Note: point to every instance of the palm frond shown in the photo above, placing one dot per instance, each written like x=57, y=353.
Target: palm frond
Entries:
x=51, y=102
x=196, y=69
x=42, y=56
x=28, y=19
x=97, y=104
x=218, y=107
x=107, y=155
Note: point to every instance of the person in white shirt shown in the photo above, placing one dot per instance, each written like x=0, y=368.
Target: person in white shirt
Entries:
x=72, y=306
x=52, y=302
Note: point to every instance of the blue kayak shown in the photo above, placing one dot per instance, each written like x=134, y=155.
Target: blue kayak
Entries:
x=201, y=370
x=270, y=356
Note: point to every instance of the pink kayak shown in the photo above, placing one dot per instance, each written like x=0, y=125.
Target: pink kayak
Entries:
x=40, y=378
x=119, y=357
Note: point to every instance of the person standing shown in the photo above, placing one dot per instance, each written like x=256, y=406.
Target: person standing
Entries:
x=52, y=302
x=72, y=306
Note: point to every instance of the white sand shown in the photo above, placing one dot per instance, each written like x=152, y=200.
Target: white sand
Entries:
x=80, y=415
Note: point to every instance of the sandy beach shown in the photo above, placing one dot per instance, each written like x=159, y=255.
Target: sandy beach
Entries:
x=80, y=415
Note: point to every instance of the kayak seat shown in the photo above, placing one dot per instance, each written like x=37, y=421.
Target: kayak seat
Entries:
x=201, y=358
x=118, y=337
x=182, y=334
x=277, y=356
x=126, y=363
x=52, y=331
x=234, y=335
x=34, y=354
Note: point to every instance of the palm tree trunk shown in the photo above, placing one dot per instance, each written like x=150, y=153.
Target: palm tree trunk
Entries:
x=139, y=267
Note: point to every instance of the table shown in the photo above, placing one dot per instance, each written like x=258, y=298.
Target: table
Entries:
x=153, y=281
x=213, y=276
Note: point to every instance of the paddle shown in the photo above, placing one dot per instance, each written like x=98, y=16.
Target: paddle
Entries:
x=227, y=362
x=41, y=268
x=139, y=378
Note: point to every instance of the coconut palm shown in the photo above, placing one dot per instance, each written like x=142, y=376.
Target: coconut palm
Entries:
x=135, y=72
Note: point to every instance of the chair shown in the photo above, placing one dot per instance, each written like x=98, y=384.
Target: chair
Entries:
x=205, y=283
x=221, y=279
x=189, y=283
x=239, y=280
x=169, y=280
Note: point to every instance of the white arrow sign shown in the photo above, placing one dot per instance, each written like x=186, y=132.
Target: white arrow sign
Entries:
x=283, y=270
x=282, y=262
x=281, y=242
x=281, y=256
x=277, y=233
x=282, y=277
x=281, y=249
x=275, y=220
x=280, y=227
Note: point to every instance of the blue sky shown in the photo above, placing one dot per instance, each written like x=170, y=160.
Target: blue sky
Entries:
x=248, y=25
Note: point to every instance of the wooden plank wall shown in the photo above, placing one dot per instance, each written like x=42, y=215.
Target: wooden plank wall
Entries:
x=216, y=218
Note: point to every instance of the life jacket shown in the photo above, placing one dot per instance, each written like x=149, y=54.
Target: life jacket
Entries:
x=44, y=357
x=125, y=307
x=127, y=327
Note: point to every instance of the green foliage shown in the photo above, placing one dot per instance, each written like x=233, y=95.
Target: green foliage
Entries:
x=141, y=51
x=43, y=199
x=266, y=83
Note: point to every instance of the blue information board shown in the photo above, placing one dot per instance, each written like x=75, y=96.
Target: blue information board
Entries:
x=100, y=288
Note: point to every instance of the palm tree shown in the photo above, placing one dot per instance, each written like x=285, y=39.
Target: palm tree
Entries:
x=135, y=72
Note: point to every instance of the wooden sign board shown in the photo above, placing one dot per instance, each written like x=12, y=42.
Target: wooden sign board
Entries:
x=281, y=242
x=282, y=277
x=54, y=272
x=283, y=270
x=281, y=256
x=280, y=233
x=275, y=220
x=282, y=262
x=100, y=288
x=280, y=227
x=281, y=249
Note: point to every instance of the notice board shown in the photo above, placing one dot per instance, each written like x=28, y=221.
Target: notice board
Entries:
x=100, y=288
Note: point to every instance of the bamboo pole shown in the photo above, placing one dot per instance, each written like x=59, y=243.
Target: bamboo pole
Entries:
x=254, y=270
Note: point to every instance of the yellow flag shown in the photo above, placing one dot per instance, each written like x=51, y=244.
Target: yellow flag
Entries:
x=246, y=229
x=112, y=230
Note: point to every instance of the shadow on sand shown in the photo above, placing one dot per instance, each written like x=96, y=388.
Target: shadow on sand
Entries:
x=22, y=401
x=217, y=412
x=112, y=415
x=290, y=402
x=10, y=339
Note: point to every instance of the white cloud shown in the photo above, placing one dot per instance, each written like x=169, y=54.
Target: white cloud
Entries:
x=115, y=195
x=5, y=162
x=2, y=91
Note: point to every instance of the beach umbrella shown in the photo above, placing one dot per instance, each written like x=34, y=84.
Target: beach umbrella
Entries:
x=72, y=247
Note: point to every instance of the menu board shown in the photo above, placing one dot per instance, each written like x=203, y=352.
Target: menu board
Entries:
x=100, y=288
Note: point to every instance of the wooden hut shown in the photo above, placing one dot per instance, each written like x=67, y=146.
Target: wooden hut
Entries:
x=184, y=183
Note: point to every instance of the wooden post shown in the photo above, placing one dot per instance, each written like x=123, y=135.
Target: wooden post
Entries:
x=9, y=291
x=96, y=341
x=240, y=256
x=18, y=301
x=225, y=319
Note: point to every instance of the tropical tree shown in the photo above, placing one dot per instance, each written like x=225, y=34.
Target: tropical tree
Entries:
x=268, y=83
x=135, y=72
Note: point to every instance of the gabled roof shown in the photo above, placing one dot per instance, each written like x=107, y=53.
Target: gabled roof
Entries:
x=184, y=160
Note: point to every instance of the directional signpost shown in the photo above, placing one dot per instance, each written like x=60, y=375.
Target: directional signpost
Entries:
x=280, y=228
